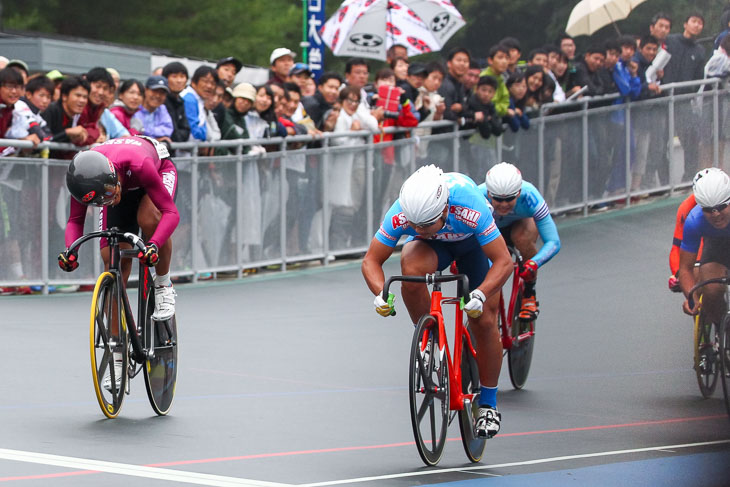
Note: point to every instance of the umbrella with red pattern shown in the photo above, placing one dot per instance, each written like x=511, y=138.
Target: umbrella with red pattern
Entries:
x=367, y=28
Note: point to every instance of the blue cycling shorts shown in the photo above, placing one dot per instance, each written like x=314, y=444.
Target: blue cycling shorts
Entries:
x=469, y=256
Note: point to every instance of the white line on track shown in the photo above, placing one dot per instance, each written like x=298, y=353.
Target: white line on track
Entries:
x=133, y=470
x=437, y=471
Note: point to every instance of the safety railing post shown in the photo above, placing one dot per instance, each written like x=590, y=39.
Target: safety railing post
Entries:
x=282, y=204
x=239, y=210
x=541, y=152
x=627, y=148
x=194, y=216
x=585, y=151
x=670, y=141
x=369, y=188
x=715, y=126
x=326, y=158
x=45, y=245
x=455, y=143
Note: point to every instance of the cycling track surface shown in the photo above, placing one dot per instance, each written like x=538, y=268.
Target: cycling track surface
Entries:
x=293, y=380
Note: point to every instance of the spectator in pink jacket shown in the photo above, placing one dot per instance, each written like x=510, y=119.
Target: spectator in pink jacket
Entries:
x=131, y=96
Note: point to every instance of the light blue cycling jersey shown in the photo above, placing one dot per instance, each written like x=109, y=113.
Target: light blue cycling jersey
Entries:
x=469, y=215
x=531, y=204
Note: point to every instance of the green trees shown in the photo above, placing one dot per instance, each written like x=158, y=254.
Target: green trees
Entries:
x=251, y=29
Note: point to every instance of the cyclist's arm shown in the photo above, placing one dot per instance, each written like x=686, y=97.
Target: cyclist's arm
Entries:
x=687, y=279
x=372, y=265
x=496, y=251
x=550, y=238
x=75, y=225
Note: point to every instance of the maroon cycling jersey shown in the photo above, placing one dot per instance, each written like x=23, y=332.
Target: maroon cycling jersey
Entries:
x=138, y=166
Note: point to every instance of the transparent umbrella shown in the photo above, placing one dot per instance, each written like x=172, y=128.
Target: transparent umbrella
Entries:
x=590, y=15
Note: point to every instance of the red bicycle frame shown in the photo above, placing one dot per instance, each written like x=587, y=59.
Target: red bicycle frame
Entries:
x=456, y=396
x=507, y=315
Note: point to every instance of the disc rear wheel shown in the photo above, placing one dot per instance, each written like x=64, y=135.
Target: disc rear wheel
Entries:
x=429, y=391
x=108, y=346
x=159, y=338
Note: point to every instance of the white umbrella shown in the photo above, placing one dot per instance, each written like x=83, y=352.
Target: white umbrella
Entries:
x=590, y=15
x=367, y=28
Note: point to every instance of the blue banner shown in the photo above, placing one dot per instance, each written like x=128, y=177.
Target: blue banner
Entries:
x=315, y=21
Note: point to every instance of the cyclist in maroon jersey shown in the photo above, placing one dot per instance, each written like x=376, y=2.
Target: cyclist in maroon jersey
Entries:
x=134, y=181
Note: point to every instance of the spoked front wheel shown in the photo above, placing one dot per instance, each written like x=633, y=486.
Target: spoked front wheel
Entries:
x=108, y=346
x=159, y=338
x=429, y=391
x=473, y=445
x=706, y=355
x=725, y=360
x=519, y=356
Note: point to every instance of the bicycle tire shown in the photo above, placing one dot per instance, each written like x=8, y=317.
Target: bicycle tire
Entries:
x=159, y=338
x=706, y=356
x=519, y=356
x=429, y=391
x=103, y=347
x=725, y=360
x=473, y=445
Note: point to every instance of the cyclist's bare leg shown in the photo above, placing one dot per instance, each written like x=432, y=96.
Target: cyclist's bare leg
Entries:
x=713, y=295
x=148, y=216
x=488, y=344
x=524, y=235
x=417, y=259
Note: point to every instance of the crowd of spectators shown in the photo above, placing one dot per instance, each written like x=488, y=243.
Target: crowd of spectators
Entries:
x=496, y=99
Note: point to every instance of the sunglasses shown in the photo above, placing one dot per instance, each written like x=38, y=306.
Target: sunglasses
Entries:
x=427, y=224
x=505, y=199
x=712, y=209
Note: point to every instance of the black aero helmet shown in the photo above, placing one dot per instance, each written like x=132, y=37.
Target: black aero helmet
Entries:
x=92, y=179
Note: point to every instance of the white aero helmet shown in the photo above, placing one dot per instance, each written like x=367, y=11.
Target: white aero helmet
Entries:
x=424, y=195
x=711, y=187
x=504, y=180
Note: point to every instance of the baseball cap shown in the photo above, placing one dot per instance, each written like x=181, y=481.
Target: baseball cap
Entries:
x=157, y=83
x=279, y=52
x=417, y=69
x=245, y=90
x=18, y=63
x=54, y=75
x=230, y=60
x=300, y=68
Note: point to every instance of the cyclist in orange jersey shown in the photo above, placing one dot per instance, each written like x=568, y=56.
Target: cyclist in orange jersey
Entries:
x=684, y=208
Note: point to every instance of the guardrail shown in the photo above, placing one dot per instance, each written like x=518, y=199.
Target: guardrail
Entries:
x=294, y=204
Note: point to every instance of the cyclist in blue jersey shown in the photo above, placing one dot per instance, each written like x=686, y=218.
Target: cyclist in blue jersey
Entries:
x=446, y=218
x=708, y=222
x=521, y=214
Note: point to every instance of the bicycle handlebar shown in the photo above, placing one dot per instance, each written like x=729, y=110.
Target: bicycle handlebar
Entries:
x=110, y=233
x=462, y=289
x=716, y=280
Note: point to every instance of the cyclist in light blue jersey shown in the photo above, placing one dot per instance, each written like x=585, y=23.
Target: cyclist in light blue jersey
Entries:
x=521, y=214
x=445, y=218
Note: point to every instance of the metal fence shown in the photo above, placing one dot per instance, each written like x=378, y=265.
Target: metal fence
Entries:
x=300, y=203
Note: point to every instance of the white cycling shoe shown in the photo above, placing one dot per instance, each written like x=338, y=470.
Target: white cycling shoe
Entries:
x=164, y=303
x=107, y=382
x=488, y=422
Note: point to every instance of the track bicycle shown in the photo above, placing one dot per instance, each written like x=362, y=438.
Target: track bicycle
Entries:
x=149, y=346
x=441, y=385
x=518, y=335
x=712, y=346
